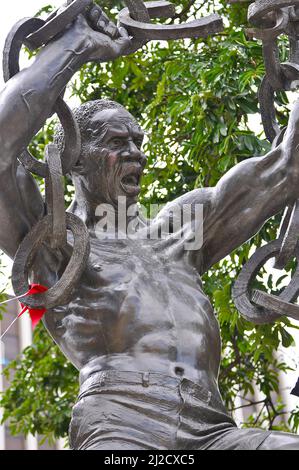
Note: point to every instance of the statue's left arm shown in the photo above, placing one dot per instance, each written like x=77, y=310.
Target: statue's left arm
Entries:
x=245, y=197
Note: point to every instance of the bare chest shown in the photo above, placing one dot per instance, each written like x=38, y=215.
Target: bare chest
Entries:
x=132, y=296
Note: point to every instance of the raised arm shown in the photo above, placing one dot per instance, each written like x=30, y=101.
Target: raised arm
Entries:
x=245, y=197
x=26, y=102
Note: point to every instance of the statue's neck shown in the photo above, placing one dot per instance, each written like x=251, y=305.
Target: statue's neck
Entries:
x=95, y=208
x=95, y=214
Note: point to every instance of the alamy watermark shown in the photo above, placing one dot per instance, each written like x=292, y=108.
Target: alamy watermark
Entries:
x=173, y=221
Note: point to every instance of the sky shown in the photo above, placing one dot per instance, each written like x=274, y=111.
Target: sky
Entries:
x=15, y=11
x=18, y=9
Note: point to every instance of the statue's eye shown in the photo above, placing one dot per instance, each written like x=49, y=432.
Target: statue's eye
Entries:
x=138, y=143
x=117, y=142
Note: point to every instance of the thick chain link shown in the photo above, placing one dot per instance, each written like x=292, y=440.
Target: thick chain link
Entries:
x=34, y=33
x=271, y=19
x=52, y=229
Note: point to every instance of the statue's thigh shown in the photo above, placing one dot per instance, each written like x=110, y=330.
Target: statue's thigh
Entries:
x=280, y=441
x=115, y=444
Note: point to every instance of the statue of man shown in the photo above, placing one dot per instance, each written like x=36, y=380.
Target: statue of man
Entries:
x=139, y=327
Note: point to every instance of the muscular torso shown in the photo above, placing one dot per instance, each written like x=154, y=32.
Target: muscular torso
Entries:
x=139, y=307
x=139, y=304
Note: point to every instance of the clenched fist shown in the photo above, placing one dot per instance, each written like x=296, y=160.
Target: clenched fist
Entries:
x=107, y=41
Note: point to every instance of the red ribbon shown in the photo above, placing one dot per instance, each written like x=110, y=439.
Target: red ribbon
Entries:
x=36, y=314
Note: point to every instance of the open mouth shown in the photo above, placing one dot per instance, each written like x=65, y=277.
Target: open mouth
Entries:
x=130, y=182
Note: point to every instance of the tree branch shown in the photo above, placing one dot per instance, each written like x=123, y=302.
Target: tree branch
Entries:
x=184, y=10
x=250, y=403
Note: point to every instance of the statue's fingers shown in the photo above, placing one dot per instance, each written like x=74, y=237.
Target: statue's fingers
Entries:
x=101, y=23
x=104, y=17
x=101, y=26
x=107, y=28
x=112, y=30
x=123, y=32
x=94, y=15
x=124, y=41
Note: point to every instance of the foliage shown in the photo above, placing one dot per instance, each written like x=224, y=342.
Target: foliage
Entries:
x=43, y=390
x=194, y=99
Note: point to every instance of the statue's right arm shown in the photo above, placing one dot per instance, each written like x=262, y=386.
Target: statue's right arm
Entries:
x=25, y=104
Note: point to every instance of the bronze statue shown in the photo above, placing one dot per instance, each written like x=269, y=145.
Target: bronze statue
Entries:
x=138, y=326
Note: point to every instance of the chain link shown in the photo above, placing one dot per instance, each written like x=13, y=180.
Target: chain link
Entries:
x=51, y=230
x=271, y=19
x=34, y=33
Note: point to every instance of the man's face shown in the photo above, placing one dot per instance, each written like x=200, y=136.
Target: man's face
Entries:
x=113, y=159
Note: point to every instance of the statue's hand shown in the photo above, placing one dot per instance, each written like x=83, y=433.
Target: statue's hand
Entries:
x=107, y=41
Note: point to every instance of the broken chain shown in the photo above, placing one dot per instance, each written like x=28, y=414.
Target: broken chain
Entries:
x=272, y=18
x=136, y=18
x=52, y=229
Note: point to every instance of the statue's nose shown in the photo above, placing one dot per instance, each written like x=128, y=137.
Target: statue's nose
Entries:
x=133, y=152
x=133, y=149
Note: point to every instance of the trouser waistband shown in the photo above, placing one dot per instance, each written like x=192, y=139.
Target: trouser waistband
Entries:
x=146, y=379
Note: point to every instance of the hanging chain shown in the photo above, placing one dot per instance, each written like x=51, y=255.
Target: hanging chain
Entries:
x=51, y=230
x=270, y=19
x=34, y=33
